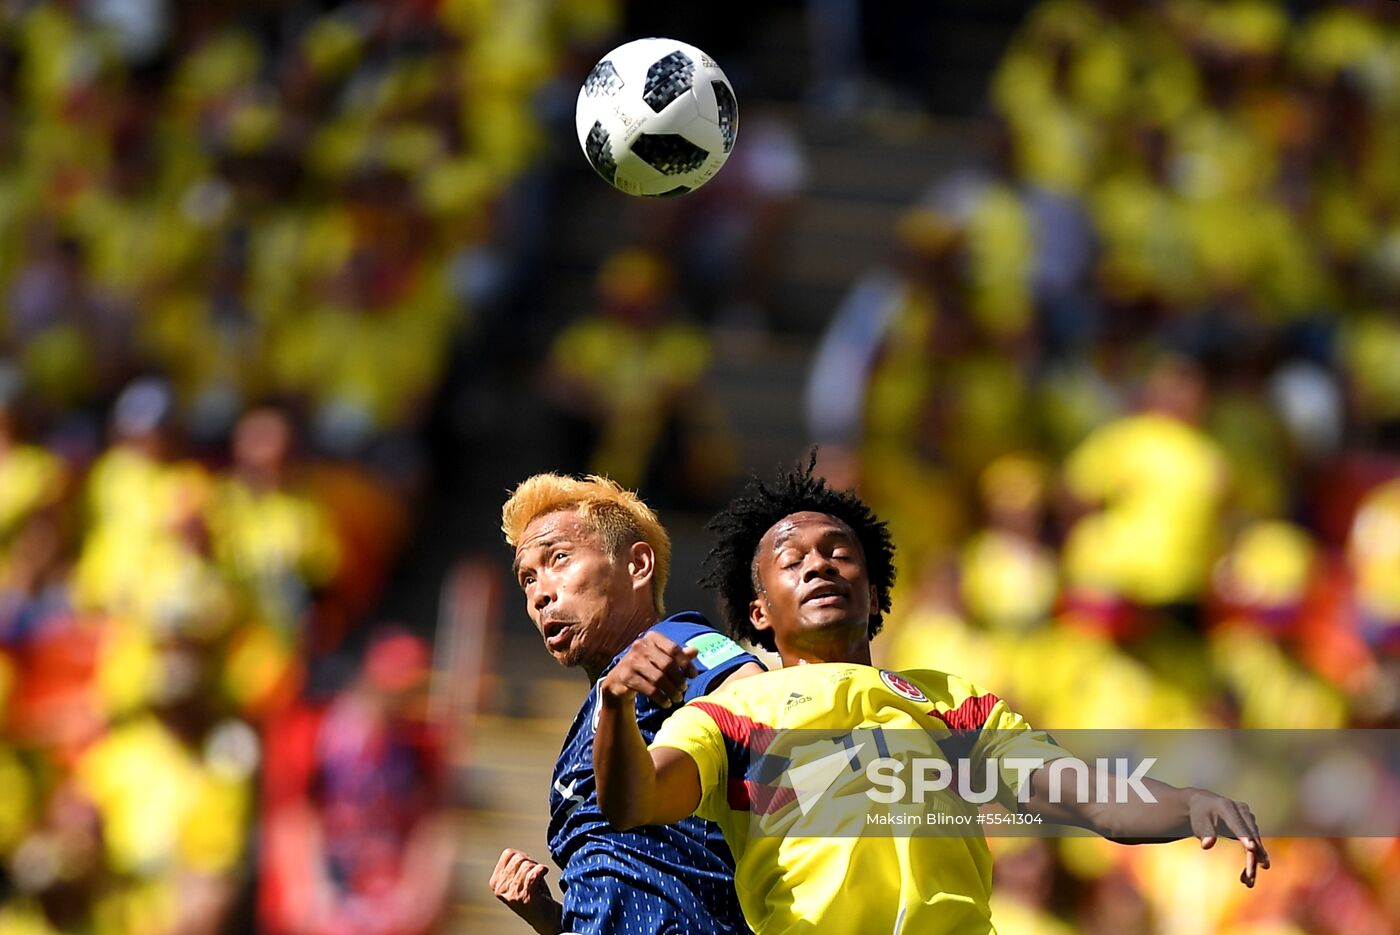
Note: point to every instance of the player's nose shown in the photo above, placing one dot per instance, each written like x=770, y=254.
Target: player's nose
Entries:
x=540, y=596
x=817, y=565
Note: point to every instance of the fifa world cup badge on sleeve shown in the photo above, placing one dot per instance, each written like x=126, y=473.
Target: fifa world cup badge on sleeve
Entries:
x=712, y=649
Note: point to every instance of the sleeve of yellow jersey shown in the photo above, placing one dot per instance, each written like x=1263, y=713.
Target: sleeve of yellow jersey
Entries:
x=694, y=732
x=1090, y=469
x=1006, y=736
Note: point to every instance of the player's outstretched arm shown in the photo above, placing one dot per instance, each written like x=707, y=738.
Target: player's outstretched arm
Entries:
x=637, y=786
x=518, y=881
x=1177, y=813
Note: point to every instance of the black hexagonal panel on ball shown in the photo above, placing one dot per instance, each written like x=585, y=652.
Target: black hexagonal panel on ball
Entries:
x=667, y=79
x=669, y=153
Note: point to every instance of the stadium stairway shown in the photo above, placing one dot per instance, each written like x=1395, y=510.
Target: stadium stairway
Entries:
x=507, y=787
x=862, y=176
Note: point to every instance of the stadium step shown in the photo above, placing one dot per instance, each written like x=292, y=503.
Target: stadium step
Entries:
x=862, y=177
x=759, y=388
x=507, y=789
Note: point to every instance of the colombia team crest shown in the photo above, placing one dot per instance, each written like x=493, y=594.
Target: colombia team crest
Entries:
x=902, y=687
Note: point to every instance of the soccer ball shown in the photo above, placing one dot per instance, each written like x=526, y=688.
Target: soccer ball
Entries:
x=656, y=117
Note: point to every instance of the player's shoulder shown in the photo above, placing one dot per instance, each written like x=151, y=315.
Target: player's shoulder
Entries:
x=938, y=685
x=763, y=693
x=683, y=625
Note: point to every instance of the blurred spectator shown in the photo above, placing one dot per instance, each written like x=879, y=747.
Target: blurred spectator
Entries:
x=1115, y=904
x=1155, y=483
x=357, y=836
x=1373, y=553
x=1027, y=883
x=57, y=704
x=146, y=550
x=1009, y=576
x=835, y=399
x=269, y=534
x=57, y=868
x=71, y=338
x=173, y=791
x=628, y=382
x=31, y=478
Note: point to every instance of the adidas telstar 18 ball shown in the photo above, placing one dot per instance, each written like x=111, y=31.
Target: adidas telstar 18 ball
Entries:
x=657, y=117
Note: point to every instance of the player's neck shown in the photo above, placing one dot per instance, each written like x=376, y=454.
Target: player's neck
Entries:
x=623, y=638
x=853, y=651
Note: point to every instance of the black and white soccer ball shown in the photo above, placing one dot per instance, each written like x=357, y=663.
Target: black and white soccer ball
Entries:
x=657, y=117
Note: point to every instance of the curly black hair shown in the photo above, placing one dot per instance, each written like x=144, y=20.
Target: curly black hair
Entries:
x=739, y=526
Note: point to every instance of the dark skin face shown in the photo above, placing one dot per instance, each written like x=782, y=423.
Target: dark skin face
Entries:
x=587, y=603
x=814, y=592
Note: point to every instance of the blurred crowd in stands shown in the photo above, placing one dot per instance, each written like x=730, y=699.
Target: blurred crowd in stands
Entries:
x=1130, y=398
x=270, y=203
x=1128, y=392
x=236, y=242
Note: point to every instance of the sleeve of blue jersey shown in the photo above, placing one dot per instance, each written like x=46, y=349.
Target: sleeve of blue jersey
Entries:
x=687, y=633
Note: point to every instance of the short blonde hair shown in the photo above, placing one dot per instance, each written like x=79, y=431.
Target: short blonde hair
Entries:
x=617, y=514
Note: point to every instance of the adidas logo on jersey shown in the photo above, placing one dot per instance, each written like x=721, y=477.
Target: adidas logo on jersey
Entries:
x=794, y=699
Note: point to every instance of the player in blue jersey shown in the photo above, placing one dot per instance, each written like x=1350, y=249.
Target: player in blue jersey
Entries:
x=592, y=560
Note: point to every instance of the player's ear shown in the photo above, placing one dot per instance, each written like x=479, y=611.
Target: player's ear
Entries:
x=758, y=614
x=641, y=564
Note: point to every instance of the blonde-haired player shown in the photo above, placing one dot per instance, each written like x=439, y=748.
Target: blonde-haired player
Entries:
x=592, y=560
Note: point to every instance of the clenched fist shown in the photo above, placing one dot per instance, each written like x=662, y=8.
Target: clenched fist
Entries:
x=656, y=667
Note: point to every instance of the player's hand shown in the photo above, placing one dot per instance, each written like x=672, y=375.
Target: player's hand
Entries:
x=1214, y=816
x=518, y=881
x=656, y=667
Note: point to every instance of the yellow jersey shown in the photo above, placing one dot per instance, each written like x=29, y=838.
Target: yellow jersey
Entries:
x=808, y=862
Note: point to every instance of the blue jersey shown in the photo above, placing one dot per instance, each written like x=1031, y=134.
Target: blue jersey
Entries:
x=658, y=879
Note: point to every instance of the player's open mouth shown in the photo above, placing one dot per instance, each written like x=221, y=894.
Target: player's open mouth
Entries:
x=825, y=595
x=557, y=636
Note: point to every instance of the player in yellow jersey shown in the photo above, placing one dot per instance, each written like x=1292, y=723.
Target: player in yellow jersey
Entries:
x=806, y=571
